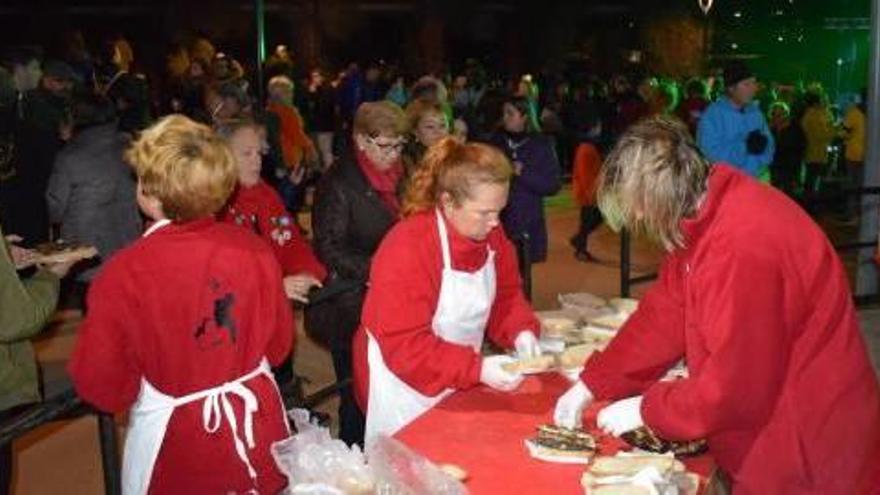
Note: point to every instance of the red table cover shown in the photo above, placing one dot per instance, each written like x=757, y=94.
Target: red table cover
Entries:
x=482, y=431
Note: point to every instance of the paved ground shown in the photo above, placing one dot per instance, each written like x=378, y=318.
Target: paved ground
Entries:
x=64, y=458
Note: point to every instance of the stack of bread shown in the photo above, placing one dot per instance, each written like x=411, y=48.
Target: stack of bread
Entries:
x=585, y=324
x=638, y=474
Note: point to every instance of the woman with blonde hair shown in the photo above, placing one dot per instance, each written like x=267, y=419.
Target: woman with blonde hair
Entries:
x=428, y=123
x=183, y=326
x=443, y=278
x=753, y=297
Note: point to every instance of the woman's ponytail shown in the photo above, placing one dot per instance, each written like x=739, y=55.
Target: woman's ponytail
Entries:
x=421, y=194
x=453, y=167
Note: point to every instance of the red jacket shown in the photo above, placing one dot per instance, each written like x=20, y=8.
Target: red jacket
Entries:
x=295, y=144
x=402, y=298
x=760, y=307
x=585, y=173
x=259, y=209
x=153, y=315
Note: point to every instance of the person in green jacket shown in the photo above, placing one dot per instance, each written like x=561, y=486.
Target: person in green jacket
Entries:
x=25, y=306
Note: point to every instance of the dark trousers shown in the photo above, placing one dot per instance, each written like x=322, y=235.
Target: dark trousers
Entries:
x=813, y=178
x=351, y=419
x=785, y=179
x=855, y=172
x=6, y=454
x=591, y=219
x=284, y=371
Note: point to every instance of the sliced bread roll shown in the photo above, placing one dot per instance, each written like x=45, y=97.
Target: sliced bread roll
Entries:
x=592, y=486
x=575, y=356
x=537, y=364
x=630, y=465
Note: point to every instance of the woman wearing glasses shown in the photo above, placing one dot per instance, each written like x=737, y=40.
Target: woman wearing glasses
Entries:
x=355, y=205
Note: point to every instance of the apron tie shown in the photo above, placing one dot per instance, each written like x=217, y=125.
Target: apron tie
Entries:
x=212, y=417
x=216, y=406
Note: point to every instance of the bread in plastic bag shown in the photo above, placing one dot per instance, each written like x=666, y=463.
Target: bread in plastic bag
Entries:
x=316, y=464
x=400, y=471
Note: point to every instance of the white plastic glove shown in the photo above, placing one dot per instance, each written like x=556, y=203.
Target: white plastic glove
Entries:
x=622, y=416
x=570, y=407
x=526, y=345
x=493, y=375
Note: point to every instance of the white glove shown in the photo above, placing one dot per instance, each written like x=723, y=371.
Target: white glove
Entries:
x=493, y=375
x=527, y=345
x=570, y=407
x=622, y=416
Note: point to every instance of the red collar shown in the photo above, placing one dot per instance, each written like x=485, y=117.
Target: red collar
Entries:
x=721, y=178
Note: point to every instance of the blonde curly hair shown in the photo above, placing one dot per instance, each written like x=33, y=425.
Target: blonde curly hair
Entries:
x=185, y=165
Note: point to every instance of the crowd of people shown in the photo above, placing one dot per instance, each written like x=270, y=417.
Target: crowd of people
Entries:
x=418, y=190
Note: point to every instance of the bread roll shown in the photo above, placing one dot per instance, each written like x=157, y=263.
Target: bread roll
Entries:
x=630, y=465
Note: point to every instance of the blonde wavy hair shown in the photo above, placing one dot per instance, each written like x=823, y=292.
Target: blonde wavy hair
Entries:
x=185, y=165
x=418, y=109
x=374, y=118
x=453, y=167
x=653, y=179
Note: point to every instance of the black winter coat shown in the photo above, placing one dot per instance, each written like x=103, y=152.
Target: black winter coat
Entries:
x=349, y=221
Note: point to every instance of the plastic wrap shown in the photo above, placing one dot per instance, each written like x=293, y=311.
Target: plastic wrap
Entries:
x=316, y=464
x=400, y=471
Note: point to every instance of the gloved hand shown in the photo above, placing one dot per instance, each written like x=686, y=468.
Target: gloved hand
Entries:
x=622, y=416
x=756, y=142
x=493, y=375
x=570, y=407
x=526, y=345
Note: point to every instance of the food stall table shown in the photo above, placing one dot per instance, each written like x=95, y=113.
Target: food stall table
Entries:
x=482, y=431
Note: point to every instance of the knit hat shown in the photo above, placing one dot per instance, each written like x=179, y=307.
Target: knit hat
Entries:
x=735, y=72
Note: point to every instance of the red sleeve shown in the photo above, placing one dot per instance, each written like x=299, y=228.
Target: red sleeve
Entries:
x=297, y=257
x=292, y=250
x=511, y=312
x=399, y=308
x=103, y=366
x=651, y=341
x=748, y=345
x=282, y=340
x=579, y=175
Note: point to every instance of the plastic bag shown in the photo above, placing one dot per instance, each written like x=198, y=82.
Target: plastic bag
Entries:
x=316, y=464
x=400, y=471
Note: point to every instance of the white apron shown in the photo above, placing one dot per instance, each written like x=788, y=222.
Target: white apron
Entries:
x=150, y=414
x=462, y=313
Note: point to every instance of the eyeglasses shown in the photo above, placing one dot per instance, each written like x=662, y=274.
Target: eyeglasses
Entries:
x=392, y=146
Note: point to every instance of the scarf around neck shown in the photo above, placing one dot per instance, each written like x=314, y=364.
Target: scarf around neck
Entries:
x=383, y=181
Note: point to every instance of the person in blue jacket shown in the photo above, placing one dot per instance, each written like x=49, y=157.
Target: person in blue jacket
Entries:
x=733, y=129
x=536, y=175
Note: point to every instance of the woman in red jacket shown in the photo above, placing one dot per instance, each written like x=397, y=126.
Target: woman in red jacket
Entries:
x=442, y=278
x=257, y=207
x=753, y=297
x=183, y=326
